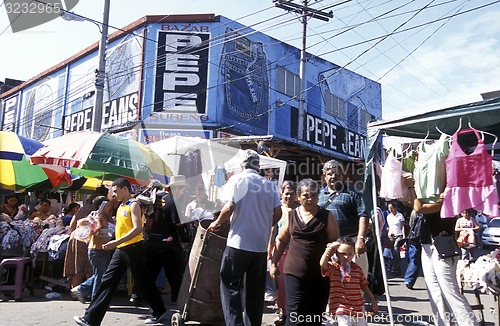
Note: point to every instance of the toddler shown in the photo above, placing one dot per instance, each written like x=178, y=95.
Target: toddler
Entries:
x=346, y=282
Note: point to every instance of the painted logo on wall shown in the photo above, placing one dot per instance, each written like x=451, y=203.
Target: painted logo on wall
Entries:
x=244, y=77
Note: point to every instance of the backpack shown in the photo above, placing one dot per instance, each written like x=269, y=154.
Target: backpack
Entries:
x=416, y=228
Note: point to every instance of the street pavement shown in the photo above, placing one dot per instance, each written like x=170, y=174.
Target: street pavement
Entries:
x=410, y=307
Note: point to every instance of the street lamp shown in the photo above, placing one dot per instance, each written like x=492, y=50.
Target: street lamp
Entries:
x=101, y=68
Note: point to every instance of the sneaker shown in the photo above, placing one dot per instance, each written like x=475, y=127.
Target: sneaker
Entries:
x=155, y=320
x=79, y=295
x=81, y=321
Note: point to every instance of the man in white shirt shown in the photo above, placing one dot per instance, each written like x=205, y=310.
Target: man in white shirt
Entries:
x=253, y=206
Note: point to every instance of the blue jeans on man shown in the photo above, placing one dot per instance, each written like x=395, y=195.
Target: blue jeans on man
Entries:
x=242, y=285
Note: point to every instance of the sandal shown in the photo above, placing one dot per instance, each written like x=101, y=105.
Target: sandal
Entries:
x=280, y=319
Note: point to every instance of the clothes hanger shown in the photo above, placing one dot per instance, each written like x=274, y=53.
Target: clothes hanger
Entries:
x=439, y=130
x=459, y=125
x=495, y=138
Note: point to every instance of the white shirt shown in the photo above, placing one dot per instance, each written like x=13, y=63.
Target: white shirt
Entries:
x=395, y=224
x=255, y=198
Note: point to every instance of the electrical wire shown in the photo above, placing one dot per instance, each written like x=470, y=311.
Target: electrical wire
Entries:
x=217, y=85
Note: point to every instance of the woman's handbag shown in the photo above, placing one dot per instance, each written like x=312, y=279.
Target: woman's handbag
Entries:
x=446, y=246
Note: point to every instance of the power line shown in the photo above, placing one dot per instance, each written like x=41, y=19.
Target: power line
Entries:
x=216, y=85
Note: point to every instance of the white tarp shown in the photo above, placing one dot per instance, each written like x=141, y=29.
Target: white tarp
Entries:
x=212, y=155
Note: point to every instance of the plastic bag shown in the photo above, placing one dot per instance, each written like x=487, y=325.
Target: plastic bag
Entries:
x=86, y=227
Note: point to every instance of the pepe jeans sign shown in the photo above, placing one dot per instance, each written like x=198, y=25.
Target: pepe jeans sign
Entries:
x=333, y=137
x=114, y=113
x=10, y=108
x=181, y=72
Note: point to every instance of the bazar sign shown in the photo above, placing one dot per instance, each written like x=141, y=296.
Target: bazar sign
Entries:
x=184, y=28
x=330, y=136
x=181, y=72
x=114, y=113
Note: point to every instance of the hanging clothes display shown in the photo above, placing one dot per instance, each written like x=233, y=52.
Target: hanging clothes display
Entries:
x=390, y=187
x=409, y=161
x=430, y=169
x=190, y=163
x=220, y=176
x=469, y=179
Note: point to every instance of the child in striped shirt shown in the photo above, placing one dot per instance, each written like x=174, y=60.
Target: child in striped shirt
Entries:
x=346, y=282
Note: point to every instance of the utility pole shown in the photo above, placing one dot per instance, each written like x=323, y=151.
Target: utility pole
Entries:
x=305, y=12
x=101, y=69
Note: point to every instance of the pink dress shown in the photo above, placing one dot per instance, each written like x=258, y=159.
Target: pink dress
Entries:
x=469, y=180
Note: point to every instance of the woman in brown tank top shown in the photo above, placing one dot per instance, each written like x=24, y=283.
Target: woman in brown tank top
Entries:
x=307, y=231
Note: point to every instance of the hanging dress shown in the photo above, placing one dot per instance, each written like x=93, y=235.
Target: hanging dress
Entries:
x=430, y=170
x=469, y=180
x=390, y=187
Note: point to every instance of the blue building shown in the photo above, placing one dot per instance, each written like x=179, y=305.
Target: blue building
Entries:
x=202, y=75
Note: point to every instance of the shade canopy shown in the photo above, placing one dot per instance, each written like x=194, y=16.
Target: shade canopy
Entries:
x=483, y=115
x=103, y=155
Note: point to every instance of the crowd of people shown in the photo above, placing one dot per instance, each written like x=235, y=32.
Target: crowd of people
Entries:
x=316, y=239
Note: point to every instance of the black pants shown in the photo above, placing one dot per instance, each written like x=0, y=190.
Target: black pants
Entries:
x=169, y=256
x=243, y=280
x=306, y=300
x=131, y=256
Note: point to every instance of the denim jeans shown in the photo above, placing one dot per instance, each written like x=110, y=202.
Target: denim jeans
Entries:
x=414, y=263
x=242, y=286
x=245, y=79
x=86, y=287
x=99, y=259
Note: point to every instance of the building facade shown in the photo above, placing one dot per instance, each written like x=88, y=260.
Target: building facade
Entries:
x=206, y=76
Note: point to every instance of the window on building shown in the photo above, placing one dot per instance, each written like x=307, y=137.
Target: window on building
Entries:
x=334, y=105
x=364, y=118
x=287, y=82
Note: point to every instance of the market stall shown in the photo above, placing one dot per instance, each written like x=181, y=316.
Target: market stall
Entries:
x=483, y=116
x=200, y=160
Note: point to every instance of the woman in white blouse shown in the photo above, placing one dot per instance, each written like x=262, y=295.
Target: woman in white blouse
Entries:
x=395, y=232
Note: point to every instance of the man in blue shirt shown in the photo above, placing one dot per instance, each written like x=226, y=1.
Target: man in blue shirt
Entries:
x=348, y=208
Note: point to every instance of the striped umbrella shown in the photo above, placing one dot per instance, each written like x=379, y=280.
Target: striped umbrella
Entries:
x=16, y=171
x=105, y=156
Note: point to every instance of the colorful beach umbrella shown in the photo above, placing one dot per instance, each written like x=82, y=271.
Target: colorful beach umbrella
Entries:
x=14, y=147
x=110, y=156
x=16, y=172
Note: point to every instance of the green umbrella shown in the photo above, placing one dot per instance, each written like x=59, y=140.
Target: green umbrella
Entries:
x=105, y=156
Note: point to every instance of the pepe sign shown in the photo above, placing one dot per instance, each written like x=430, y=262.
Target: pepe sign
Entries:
x=26, y=14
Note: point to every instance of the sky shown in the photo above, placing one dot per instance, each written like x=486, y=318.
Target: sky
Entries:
x=427, y=55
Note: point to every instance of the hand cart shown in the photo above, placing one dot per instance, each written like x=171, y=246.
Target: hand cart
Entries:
x=199, y=296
